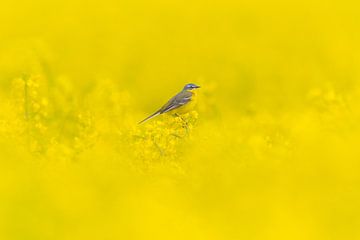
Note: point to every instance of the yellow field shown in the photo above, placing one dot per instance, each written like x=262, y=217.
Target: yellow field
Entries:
x=271, y=151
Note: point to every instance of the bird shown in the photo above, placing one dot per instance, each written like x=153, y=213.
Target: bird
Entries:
x=181, y=103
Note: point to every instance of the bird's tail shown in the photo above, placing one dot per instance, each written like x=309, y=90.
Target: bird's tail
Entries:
x=149, y=117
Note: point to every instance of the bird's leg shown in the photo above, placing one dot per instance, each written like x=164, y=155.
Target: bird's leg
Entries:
x=178, y=115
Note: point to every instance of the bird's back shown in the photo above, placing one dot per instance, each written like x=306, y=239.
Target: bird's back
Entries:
x=179, y=101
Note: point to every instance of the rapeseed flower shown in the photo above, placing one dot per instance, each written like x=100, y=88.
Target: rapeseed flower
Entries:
x=270, y=151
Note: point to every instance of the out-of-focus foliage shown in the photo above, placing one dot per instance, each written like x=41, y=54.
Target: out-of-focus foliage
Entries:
x=271, y=151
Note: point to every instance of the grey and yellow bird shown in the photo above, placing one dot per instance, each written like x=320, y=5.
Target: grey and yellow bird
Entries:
x=181, y=103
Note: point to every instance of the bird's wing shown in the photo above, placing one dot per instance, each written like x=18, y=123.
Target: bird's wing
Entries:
x=179, y=100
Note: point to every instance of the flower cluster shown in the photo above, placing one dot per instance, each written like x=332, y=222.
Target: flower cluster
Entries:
x=161, y=140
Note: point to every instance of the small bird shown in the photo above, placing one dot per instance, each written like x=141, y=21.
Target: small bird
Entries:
x=182, y=102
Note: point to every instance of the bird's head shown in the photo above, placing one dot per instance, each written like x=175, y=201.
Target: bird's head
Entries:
x=190, y=87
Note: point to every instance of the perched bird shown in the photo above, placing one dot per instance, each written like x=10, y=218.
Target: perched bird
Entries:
x=182, y=102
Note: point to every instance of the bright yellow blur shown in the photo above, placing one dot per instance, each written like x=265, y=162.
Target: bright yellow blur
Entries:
x=271, y=152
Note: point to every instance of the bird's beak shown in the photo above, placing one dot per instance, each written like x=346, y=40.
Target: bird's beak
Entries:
x=197, y=87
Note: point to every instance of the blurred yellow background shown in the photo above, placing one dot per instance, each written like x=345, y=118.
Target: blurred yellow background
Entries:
x=271, y=152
